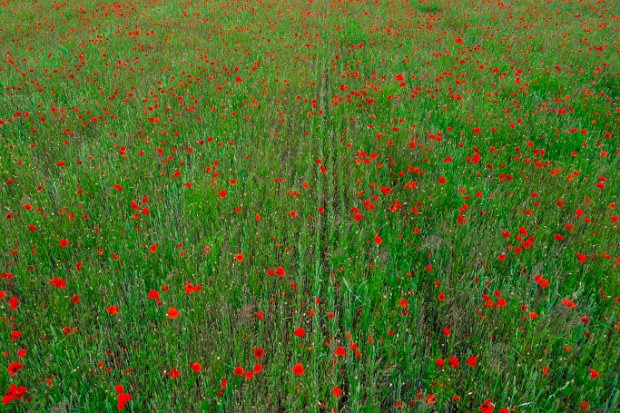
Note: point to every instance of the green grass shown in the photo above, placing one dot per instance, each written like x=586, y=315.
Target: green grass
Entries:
x=122, y=123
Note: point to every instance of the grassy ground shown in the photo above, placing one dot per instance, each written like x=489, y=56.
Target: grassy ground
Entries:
x=351, y=206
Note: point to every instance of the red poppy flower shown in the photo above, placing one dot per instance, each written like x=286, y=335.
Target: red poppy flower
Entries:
x=259, y=353
x=112, y=310
x=239, y=257
x=487, y=407
x=174, y=373
x=238, y=371
x=568, y=303
x=299, y=369
x=63, y=243
x=16, y=366
x=173, y=313
x=122, y=400
x=300, y=332
x=195, y=366
x=541, y=281
x=58, y=282
x=14, y=392
x=337, y=391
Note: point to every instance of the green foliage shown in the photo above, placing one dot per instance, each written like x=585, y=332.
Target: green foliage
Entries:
x=394, y=178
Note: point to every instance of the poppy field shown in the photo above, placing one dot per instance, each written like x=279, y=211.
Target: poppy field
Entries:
x=322, y=206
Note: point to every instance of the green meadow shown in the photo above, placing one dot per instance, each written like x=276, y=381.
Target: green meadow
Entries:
x=309, y=206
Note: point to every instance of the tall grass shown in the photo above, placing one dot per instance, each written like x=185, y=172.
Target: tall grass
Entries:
x=328, y=205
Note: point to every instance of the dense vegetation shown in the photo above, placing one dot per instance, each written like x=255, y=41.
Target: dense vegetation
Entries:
x=309, y=206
